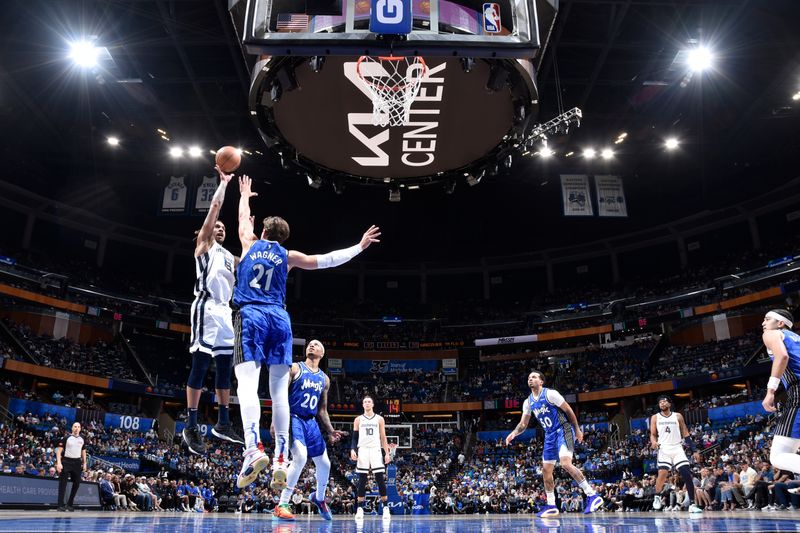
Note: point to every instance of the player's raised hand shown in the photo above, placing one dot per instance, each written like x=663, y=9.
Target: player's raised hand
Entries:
x=353, y=455
x=224, y=178
x=246, y=187
x=769, y=401
x=337, y=435
x=370, y=236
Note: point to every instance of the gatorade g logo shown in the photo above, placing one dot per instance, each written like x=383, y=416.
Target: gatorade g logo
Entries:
x=389, y=11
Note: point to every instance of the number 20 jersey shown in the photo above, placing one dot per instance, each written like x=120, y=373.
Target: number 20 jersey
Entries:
x=261, y=277
x=305, y=392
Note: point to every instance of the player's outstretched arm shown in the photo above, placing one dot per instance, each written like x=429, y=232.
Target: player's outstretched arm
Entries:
x=336, y=257
x=654, y=432
x=246, y=235
x=354, y=442
x=774, y=343
x=205, y=237
x=521, y=427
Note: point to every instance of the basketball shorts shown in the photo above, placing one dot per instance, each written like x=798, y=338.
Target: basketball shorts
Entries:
x=307, y=433
x=263, y=334
x=671, y=457
x=558, y=444
x=212, y=328
x=370, y=460
x=788, y=422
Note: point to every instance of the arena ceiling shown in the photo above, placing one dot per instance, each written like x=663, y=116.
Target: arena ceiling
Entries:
x=175, y=66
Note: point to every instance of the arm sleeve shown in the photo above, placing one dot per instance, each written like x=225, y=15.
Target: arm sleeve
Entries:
x=526, y=407
x=554, y=397
x=338, y=257
x=354, y=440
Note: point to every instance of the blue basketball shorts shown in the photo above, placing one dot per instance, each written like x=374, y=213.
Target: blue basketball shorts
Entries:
x=307, y=433
x=263, y=334
x=557, y=444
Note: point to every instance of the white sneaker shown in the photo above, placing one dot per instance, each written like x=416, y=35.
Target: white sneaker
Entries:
x=657, y=502
x=279, y=468
x=387, y=515
x=254, y=462
x=359, y=514
x=695, y=509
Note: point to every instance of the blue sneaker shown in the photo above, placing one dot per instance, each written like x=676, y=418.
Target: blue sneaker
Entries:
x=593, y=503
x=322, y=507
x=547, y=511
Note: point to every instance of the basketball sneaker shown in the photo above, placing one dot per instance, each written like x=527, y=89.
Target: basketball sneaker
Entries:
x=548, y=510
x=657, y=503
x=359, y=514
x=322, y=507
x=254, y=462
x=283, y=512
x=593, y=503
x=228, y=433
x=279, y=468
x=695, y=509
x=193, y=440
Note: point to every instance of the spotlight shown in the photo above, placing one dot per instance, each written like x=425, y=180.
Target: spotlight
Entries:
x=239, y=151
x=394, y=193
x=113, y=141
x=607, y=153
x=176, y=152
x=671, y=143
x=314, y=182
x=545, y=151
x=699, y=59
x=83, y=53
x=569, y=154
x=796, y=96
x=195, y=151
x=589, y=153
x=623, y=135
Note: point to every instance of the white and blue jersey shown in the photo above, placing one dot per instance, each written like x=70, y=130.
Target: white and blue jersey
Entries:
x=261, y=324
x=305, y=393
x=788, y=422
x=559, y=438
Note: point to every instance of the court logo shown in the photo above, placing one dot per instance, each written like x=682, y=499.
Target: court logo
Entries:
x=491, y=18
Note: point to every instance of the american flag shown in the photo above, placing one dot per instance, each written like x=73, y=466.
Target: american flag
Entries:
x=292, y=21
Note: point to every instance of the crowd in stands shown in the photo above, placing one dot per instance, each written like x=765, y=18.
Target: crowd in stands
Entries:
x=608, y=368
x=684, y=360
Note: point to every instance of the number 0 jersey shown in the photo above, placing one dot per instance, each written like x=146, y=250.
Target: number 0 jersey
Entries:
x=261, y=277
x=305, y=392
x=546, y=409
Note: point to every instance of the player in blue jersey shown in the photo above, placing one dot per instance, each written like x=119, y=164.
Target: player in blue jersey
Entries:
x=561, y=430
x=308, y=403
x=263, y=330
x=783, y=346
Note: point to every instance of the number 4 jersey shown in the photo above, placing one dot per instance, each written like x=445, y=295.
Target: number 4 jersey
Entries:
x=261, y=278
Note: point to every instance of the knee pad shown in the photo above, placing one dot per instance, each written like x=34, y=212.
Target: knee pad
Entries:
x=362, y=485
x=224, y=364
x=381, y=481
x=200, y=364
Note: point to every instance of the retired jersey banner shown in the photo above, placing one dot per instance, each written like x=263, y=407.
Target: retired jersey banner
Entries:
x=175, y=194
x=610, y=196
x=576, y=196
x=205, y=192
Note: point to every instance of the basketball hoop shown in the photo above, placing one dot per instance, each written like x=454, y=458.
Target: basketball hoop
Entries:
x=393, y=83
x=392, y=450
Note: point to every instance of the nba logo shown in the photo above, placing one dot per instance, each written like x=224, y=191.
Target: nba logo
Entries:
x=491, y=18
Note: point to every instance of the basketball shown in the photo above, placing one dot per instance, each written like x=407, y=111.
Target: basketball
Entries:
x=228, y=159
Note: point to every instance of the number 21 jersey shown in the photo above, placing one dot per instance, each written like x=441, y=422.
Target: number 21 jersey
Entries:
x=261, y=277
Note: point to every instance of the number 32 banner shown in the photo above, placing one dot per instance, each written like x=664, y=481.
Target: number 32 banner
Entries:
x=205, y=192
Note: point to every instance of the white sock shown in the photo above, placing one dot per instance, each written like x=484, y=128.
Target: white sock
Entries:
x=299, y=458
x=323, y=464
x=286, y=494
x=279, y=392
x=587, y=489
x=551, y=498
x=247, y=375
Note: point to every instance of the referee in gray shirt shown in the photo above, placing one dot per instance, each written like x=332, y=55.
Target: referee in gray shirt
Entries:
x=70, y=462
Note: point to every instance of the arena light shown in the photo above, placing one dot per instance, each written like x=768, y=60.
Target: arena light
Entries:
x=607, y=153
x=545, y=151
x=796, y=96
x=176, y=152
x=113, y=141
x=699, y=59
x=671, y=143
x=239, y=151
x=589, y=153
x=195, y=151
x=83, y=53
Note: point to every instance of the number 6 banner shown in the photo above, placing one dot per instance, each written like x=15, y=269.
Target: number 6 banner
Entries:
x=174, y=198
x=391, y=17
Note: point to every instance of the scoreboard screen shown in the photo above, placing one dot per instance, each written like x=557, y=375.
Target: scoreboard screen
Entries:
x=394, y=406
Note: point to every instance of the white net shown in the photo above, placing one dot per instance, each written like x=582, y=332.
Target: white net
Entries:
x=393, y=83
